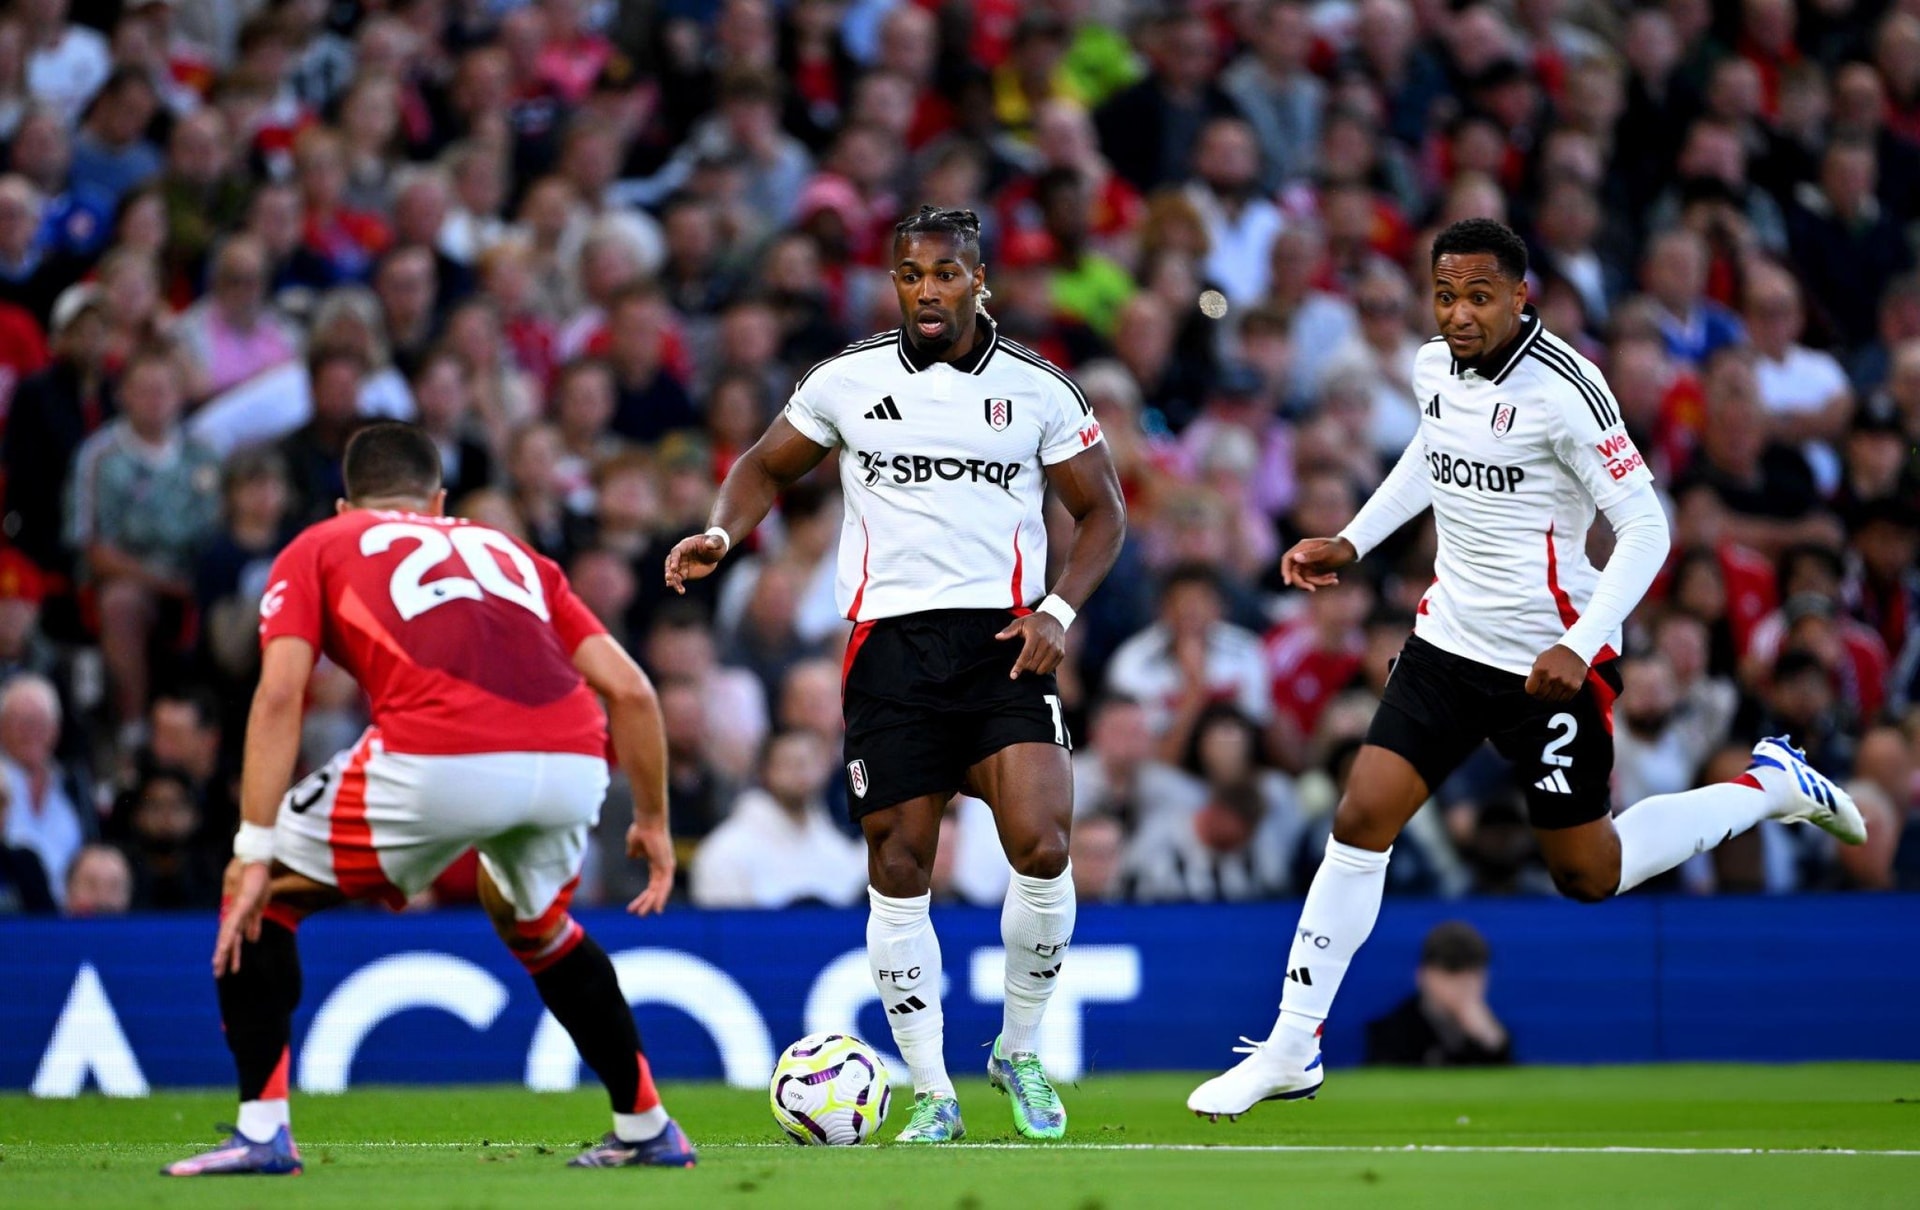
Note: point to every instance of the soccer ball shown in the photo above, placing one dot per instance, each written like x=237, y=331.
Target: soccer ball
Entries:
x=830, y=1090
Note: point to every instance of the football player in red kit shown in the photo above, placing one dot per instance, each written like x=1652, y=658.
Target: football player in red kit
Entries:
x=485, y=676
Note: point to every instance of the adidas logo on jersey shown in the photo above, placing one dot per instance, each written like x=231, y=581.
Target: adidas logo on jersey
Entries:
x=886, y=409
x=1554, y=783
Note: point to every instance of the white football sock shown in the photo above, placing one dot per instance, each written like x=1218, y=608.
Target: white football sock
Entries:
x=1036, y=925
x=640, y=1127
x=1659, y=833
x=261, y=1120
x=905, y=958
x=1341, y=906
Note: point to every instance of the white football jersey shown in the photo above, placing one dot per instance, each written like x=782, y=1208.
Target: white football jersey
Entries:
x=941, y=467
x=1515, y=465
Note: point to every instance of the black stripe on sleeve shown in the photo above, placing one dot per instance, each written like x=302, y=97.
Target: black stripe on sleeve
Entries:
x=1021, y=353
x=858, y=346
x=1596, y=399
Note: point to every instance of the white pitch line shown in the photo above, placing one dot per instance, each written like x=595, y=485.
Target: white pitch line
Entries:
x=1251, y=1148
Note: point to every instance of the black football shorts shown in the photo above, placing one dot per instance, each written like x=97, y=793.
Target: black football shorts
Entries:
x=1439, y=707
x=927, y=696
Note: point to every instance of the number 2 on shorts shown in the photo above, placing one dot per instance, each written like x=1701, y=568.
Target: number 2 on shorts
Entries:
x=1568, y=727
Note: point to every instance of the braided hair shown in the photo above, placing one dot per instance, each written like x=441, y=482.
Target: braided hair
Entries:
x=962, y=225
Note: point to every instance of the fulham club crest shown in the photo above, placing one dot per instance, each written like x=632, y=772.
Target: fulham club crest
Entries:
x=1502, y=419
x=857, y=777
x=999, y=414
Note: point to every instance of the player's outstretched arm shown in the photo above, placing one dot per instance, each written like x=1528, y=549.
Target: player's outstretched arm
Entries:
x=1403, y=495
x=775, y=463
x=1314, y=563
x=640, y=745
x=1089, y=488
x=272, y=749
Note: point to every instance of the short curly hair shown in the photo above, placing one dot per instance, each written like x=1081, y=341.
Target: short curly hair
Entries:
x=1484, y=236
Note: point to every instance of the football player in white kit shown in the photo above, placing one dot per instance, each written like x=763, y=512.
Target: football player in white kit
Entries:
x=950, y=436
x=1520, y=441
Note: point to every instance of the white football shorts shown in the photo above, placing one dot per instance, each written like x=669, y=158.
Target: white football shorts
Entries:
x=383, y=825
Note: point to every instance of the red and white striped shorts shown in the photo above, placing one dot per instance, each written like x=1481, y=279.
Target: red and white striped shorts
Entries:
x=383, y=825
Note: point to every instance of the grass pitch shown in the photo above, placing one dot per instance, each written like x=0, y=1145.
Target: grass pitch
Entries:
x=1834, y=1135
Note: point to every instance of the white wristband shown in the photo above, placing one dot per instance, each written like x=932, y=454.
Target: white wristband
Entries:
x=1058, y=610
x=253, y=844
x=726, y=541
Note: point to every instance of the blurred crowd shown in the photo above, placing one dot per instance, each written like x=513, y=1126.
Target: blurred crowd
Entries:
x=589, y=246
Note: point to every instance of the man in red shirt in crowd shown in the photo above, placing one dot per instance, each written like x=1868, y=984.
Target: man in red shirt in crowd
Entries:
x=482, y=669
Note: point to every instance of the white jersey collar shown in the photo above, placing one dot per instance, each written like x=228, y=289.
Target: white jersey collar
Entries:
x=1531, y=329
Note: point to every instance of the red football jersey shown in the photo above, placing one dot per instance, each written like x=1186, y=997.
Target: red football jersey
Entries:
x=462, y=637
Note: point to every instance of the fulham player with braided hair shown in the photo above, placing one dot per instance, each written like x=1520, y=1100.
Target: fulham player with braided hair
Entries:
x=950, y=438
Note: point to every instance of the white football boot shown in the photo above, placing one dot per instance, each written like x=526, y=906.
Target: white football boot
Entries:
x=1262, y=1076
x=1807, y=795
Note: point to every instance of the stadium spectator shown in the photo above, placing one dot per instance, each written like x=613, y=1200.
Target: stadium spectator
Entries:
x=313, y=452
x=111, y=154
x=1146, y=129
x=1804, y=391
x=445, y=406
x=1116, y=772
x=778, y=847
x=23, y=648
x=1767, y=487
x=344, y=239
x=49, y=812
x=650, y=399
x=1674, y=272
x=1188, y=659
x=31, y=275
x=145, y=496
x=53, y=412
x=1811, y=579
x=1274, y=85
x=230, y=576
x=1311, y=657
x=23, y=878
x=697, y=793
x=1238, y=843
x=183, y=735
x=1883, y=587
x=77, y=222
x=1447, y=1021
x=99, y=883
x=680, y=647
x=203, y=187
x=231, y=335
x=1379, y=359
x=1240, y=222
x=66, y=62
x=170, y=872
x=1800, y=701
x=1663, y=736
x=1847, y=246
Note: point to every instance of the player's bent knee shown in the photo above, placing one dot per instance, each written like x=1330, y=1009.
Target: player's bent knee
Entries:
x=1586, y=885
x=1364, y=825
x=1045, y=856
x=539, y=944
x=897, y=873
